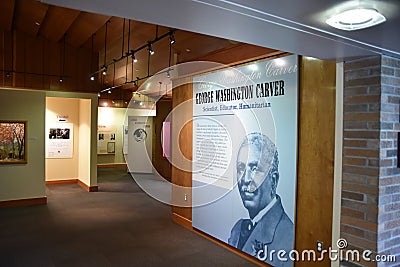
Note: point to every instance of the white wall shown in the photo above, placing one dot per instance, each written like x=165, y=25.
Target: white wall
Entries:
x=118, y=117
x=64, y=168
x=87, y=103
x=24, y=181
x=84, y=140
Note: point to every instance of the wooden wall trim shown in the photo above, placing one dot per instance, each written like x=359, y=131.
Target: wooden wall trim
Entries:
x=58, y=182
x=23, y=202
x=94, y=188
x=74, y=181
x=230, y=248
x=182, y=221
x=112, y=165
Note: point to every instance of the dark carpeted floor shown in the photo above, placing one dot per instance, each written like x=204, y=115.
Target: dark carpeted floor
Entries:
x=117, y=226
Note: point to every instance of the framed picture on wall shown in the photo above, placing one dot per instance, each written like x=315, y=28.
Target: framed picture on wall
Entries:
x=111, y=147
x=13, y=142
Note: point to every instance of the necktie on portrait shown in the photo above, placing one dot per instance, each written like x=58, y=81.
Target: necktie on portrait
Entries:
x=245, y=231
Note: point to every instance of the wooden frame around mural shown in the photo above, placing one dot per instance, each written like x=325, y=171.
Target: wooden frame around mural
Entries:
x=13, y=146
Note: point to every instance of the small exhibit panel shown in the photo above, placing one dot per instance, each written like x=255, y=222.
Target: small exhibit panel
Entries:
x=106, y=137
x=60, y=140
x=139, y=157
x=244, y=156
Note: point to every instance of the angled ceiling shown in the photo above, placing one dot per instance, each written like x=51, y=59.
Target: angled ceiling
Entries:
x=293, y=26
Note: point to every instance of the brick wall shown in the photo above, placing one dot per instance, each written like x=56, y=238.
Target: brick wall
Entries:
x=371, y=180
x=361, y=152
x=389, y=175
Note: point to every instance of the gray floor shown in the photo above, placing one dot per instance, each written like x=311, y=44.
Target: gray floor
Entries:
x=118, y=226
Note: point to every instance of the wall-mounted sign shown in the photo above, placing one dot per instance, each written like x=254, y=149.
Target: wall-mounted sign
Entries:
x=62, y=118
x=60, y=140
x=244, y=156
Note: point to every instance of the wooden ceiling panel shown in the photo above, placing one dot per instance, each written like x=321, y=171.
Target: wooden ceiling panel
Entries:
x=6, y=14
x=190, y=45
x=57, y=22
x=85, y=25
x=29, y=16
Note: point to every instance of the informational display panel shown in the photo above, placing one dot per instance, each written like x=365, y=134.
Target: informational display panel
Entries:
x=244, y=156
x=125, y=137
x=139, y=144
x=60, y=140
x=106, y=139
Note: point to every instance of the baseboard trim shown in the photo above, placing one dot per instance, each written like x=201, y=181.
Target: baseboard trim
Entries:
x=58, y=182
x=94, y=188
x=23, y=202
x=182, y=221
x=112, y=165
x=188, y=225
x=74, y=181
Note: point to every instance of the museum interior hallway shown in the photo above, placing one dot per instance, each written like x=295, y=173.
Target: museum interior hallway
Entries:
x=118, y=226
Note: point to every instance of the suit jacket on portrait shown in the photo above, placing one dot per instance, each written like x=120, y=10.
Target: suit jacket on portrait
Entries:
x=275, y=230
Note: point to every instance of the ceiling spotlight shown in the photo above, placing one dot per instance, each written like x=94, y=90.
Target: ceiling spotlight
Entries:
x=356, y=19
x=151, y=51
x=104, y=72
x=92, y=78
x=8, y=74
x=171, y=39
x=168, y=74
x=134, y=58
x=98, y=94
x=109, y=91
x=61, y=79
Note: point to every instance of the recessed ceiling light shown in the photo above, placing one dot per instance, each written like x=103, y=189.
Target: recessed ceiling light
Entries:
x=356, y=19
x=37, y=23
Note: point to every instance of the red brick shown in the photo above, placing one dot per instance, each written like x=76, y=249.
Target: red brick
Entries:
x=372, y=190
x=367, y=116
x=361, y=152
x=362, y=81
x=354, y=161
x=360, y=90
x=352, y=213
x=352, y=196
x=364, y=63
x=390, y=62
x=371, y=171
x=354, y=178
x=355, y=142
x=383, y=235
x=362, y=99
x=352, y=230
x=372, y=134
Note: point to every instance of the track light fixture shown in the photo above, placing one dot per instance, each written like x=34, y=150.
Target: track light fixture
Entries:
x=131, y=53
x=171, y=39
x=133, y=57
x=151, y=51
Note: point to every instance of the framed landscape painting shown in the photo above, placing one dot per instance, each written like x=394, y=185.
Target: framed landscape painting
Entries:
x=13, y=142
